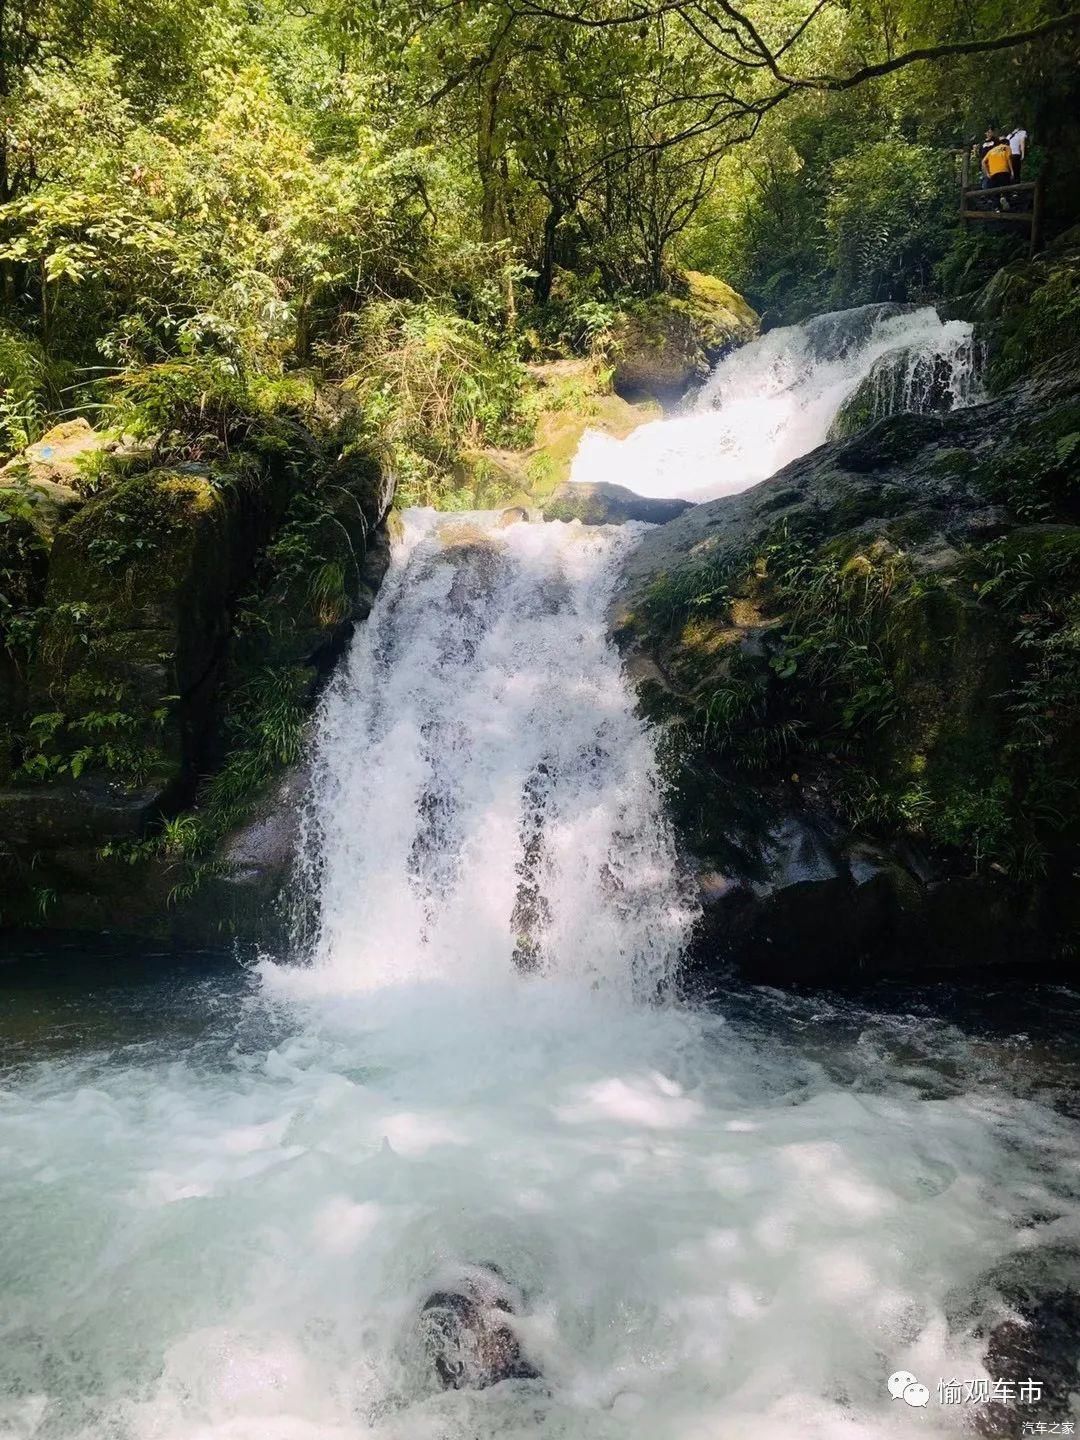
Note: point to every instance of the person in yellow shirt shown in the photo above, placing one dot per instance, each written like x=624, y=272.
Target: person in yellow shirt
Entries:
x=997, y=166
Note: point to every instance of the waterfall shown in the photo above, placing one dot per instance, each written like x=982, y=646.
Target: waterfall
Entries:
x=484, y=796
x=227, y=1195
x=775, y=399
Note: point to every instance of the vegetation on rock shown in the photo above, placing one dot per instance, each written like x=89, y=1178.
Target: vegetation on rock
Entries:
x=163, y=644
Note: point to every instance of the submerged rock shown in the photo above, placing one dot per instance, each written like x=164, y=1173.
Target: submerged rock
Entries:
x=837, y=333
x=467, y=1337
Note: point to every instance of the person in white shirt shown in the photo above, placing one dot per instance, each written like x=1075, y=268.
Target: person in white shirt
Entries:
x=1018, y=150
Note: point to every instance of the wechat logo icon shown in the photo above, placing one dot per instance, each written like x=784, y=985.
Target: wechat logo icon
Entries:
x=904, y=1386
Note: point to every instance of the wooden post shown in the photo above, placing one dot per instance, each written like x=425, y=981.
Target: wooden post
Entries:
x=1036, y=217
x=965, y=166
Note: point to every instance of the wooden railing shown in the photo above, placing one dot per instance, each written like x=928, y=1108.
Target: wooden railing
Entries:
x=1030, y=216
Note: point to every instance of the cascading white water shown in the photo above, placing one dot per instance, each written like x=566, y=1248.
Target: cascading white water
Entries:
x=774, y=400
x=219, y=1219
x=484, y=726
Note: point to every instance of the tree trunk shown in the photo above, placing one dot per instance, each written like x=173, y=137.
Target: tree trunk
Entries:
x=545, y=271
x=487, y=149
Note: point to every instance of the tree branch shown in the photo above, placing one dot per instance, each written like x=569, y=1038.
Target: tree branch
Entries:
x=934, y=52
x=750, y=41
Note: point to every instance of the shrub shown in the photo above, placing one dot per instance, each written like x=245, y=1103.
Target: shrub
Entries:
x=885, y=219
x=432, y=385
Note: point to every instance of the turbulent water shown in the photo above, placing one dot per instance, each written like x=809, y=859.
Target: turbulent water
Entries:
x=774, y=400
x=224, y=1197
x=483, y=788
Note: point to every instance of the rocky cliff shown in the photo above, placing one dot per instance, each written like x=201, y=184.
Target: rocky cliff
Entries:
x=165, y=623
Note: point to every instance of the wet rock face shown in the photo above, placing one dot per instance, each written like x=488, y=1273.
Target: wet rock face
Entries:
x=1039, y=1344
x=1027, y=1312
x=812, y=903
x=600, y=503
x=903, y=381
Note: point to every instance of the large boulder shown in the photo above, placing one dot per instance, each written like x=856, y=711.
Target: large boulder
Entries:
x=665, y=344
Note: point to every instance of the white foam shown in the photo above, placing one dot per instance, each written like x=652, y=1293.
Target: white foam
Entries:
x=481, y=777
x=721, y=1278
x=775, y=398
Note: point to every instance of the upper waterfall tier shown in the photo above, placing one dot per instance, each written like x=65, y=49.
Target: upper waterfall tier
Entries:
x=775, y=399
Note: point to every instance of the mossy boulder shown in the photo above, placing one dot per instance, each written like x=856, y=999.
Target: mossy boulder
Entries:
x=66, y=463
x=665, y=344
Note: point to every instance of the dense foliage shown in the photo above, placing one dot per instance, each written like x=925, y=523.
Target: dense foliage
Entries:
x=390, y=189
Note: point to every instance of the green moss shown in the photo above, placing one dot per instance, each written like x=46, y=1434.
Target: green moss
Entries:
x=945, y=706
x=953, y=464
x=857, y=412
x=130, y=529
x=662, y=343
x=718, y=307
